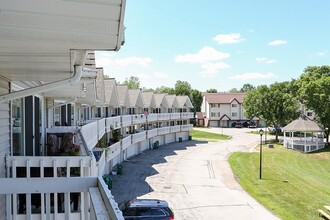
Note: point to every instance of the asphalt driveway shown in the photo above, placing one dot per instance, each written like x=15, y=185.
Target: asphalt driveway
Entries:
x=194, y=177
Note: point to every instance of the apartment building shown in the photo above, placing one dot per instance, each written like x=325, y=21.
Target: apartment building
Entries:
x=222, y=110
x=59, y=116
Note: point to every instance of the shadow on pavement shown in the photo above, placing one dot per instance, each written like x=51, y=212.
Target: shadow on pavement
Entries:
x=131, y=184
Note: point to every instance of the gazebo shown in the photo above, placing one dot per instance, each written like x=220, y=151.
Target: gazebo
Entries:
x=303, y=135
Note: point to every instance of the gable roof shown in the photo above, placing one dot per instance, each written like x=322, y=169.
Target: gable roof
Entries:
x=135, y=98
x=224, y=98
x=184, y=101
x=172, y=101
x=111, y=93
x=99, y=84
x=149, y=99
x=160, y=101
x=123, y=96
x=200, y=115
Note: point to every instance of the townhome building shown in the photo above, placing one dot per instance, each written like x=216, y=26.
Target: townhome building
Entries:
x=223, y=110
x=63, y=126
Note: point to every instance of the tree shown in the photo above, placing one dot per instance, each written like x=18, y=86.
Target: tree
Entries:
x=182, y=88
x=274, y=104
x=247, y=87
x=133, y=82
x=164, y=89
x=211, y=91
x=233, y=90
x=196, y=99
x=314, y=91
x=144, y=89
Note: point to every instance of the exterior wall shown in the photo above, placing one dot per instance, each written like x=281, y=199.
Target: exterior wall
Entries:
x=169, y=138
x=184, y=135
x=131, y=151
x=144, y=145
x=4, y=140
x=214, y=123
x=234, y=110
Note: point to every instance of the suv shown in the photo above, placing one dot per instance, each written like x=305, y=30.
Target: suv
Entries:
x=147, y=209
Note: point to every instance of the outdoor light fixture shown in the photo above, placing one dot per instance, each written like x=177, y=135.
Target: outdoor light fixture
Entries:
x=261, y=132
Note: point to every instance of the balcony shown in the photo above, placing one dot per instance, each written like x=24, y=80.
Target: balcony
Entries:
x=126, y=120
x=113, y=122
x=126, y=142
x=174, y=116
x=175, y=128
x=51, y=198
x=138, y=137
x=163, y=130
x=139, y=119
x=186, y=127
x=187, y=115
x=164, y=116
x=152, y=117
x=152, y=133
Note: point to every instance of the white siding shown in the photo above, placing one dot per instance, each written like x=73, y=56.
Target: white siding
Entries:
x=214, y=123
x=4, y=139
x=169, y=138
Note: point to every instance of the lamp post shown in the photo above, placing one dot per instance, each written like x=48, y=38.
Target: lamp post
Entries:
x=261, y=132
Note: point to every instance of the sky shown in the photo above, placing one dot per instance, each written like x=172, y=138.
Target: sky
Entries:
x=219, y=44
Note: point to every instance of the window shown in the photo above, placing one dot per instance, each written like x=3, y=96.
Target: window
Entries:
x=213, y=114
x=218, y=114
x=309, y=114
x=18, y=127
x=218, y=105
x=234, y=105
x=234, y=114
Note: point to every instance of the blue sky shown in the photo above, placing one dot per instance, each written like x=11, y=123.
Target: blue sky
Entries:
x=220, y=44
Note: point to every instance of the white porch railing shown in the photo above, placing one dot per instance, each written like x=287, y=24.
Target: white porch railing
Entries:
x=175, y=128
x=96, y=201
x=138, y=137
x=164, y=116
x=126, y=120
x=90, y=134
x=101, y=128
x=126, y=142
x=113, y=122
x=175, y=115
x=151, y=133
x=186, y=127
x=139, y=119
x=152, y=117
x=187, y=115
x=164, y=130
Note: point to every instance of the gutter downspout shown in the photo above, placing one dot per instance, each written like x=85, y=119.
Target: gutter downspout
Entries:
x=44, y=88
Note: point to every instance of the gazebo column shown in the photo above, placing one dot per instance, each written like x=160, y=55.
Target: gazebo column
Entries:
x=305, y=142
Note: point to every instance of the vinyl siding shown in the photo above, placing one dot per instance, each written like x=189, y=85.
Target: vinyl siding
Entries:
x=4, y=140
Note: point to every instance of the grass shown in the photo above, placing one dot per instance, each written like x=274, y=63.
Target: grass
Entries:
x=293, y=185
x=207, y=136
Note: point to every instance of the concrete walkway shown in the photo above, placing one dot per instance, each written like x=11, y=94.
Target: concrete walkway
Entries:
x=194, y=177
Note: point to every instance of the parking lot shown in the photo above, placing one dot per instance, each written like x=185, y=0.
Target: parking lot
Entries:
x=194, y=177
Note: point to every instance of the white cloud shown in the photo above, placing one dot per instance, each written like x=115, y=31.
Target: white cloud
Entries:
x=204, y=55
x=277, y=42
x=321, y=53
x=210, y=69
x=228, y=38
x=160, y=75
x=265, y=60
x=252, y=76
x=140, y=61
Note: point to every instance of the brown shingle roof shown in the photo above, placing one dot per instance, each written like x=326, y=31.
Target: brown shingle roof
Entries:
x=301, y=124
x=224, y=98
x=200, y=115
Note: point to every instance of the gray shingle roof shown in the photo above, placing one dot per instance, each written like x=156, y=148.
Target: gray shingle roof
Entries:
x=135, y=97
x=123, y=95
x=111, y=95
x=184, y=101
x=301, y=124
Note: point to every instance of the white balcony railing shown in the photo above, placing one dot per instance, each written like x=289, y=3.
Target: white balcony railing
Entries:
x=112, y=151
x=175, y=115
x=138, y=137
x=163, y=130
x=186, y=127
x=151, y=133
x=175, y=128
x=187, y=115
x=53, y=196
x=90, y=134
x=101, y=128
x=113, y=122
x=139, y=119
x=152, y=117
x=126, y=142
x=164, y=116
x=126, y=120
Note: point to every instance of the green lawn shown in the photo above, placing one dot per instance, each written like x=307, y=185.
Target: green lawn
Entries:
x=294, y=185
x=207, y=136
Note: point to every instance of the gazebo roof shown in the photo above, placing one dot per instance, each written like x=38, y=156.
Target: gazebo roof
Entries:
x=302, y=124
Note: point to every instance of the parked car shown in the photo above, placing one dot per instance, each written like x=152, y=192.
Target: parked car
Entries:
x=147, y=209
